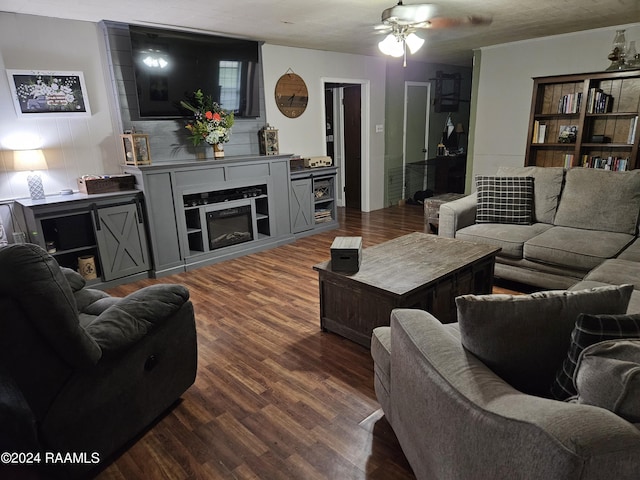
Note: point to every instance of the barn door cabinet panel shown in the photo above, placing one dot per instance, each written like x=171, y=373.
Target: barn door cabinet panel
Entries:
x=104, y=234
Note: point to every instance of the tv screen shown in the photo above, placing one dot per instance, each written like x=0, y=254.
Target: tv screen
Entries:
x=170, y=65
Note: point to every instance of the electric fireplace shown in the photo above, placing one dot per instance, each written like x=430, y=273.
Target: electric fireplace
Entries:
x=229, y=226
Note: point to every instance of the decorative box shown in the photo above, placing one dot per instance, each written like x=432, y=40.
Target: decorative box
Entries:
x=136, y=149
x=106, y=183
x=346, y=254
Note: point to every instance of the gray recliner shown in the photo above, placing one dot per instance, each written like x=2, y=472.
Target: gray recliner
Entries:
x=81, y=371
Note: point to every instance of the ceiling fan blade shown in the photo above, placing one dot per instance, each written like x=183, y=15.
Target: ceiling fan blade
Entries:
x=468, y=21
x=408, y=14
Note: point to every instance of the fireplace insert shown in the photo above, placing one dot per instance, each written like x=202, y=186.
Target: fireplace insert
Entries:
x=229, y=226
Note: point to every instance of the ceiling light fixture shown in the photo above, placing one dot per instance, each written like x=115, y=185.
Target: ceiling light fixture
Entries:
x=395, y=44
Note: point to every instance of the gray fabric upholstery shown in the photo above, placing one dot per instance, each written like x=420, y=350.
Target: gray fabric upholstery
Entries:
x=616, y=271
x=381, y=354
x=503, y=331
x=510, y=238
x=456, y=215
x=595, y=220
x=608, y=376
x=590, y=329
x=600, y=200
x=456, y=419
x=546, y=188
x=91, y=382
x=575, y=248
x=632, y=252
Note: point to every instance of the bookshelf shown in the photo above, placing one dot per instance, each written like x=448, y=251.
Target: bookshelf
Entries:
x=585, y=120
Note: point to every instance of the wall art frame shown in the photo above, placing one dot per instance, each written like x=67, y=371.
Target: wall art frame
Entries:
x=49, y=94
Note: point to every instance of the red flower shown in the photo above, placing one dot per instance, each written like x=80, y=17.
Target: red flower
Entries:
x=210, y=115
x=216, y=117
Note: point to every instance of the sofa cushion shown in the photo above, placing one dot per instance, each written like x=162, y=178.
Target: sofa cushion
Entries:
x=511, y=238
x=590, y=329
x=616, y=272
x=524, y=338
x=600, y=200
x=504, y=199
x=632, y=252
x=608, y=376
x=574, y=247
x=547, y=185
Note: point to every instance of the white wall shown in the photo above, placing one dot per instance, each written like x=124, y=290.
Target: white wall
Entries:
x=305, y=135
x=504, y=87
x=73, y=147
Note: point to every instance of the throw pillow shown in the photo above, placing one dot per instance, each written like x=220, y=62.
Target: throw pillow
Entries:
x=504, y=199
x=524, y=338
x=590, y=329
x=608, y=376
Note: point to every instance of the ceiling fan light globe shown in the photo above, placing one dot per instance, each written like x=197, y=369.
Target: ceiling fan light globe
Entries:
x=391, y=46
x=414, y=42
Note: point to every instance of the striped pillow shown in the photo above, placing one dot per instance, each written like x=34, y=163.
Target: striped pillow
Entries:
x=589, y=330
x=504, y=199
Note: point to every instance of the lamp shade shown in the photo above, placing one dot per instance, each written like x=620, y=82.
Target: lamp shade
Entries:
x=29, y=160
x=392, y=46
x=414, y=42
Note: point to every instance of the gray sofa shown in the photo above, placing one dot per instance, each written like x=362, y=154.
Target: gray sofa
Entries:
x=584, y=228
x=81, y=371
x=456, y=419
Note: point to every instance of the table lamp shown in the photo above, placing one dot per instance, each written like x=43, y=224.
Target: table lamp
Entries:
x=31, y=160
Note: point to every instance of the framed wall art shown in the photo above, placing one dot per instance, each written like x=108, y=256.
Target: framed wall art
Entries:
x=48, y=93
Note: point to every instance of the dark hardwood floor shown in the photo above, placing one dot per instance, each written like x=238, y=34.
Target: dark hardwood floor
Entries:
x=274, y=398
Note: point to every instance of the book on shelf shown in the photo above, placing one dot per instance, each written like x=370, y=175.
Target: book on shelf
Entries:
x=570, y=161
x=598, y=101
x=539, y=132
x=615, y=164
x=570, y=103
x=632, y=130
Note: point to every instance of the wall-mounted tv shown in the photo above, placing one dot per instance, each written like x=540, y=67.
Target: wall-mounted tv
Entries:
x=170, y=65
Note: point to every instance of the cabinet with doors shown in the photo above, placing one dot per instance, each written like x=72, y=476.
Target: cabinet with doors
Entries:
x=106, y=230
x=312, y=200
x=588, y=120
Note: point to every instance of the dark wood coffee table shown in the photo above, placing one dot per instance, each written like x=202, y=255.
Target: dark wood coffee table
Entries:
x=413, y=271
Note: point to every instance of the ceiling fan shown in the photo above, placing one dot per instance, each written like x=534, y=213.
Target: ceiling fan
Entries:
x=401, y=22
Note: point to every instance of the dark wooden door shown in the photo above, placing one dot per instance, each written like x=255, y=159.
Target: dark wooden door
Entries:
x=352, y=148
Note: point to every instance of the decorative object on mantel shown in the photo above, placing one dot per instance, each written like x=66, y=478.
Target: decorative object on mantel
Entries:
x=268, y=138
x=31, y=161
x=291, y=94
x=211, y=123
x=136, y=148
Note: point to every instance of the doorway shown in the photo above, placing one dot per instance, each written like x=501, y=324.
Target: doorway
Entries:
x=415, y=147
x=343, y=111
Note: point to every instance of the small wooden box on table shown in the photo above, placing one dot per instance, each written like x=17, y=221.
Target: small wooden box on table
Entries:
x=346, y=254
x=413, y=271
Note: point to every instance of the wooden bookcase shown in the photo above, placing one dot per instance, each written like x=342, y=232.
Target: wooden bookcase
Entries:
x=601, y=108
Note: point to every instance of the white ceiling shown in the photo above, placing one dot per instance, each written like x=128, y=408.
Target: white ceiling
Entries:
x=347, y=25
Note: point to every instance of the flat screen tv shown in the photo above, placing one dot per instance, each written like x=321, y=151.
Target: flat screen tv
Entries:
x=170, y=65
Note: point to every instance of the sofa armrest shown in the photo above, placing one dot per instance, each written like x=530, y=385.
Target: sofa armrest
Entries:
x=126, y=322
x=439, y=387
x=457, y=214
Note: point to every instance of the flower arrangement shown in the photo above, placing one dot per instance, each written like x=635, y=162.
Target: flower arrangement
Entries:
x=211, y=123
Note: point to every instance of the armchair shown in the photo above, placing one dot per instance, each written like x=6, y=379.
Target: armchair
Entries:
x=81, y=371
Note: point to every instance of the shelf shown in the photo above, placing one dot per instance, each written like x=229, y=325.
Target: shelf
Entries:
x=261, y=216
x=193, y=230
x=73, y=250
x=606, y=107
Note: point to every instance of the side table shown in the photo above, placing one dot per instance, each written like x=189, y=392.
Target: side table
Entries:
x=432, y=209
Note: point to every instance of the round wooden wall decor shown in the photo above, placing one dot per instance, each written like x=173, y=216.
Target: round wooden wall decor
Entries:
x=291, y=95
